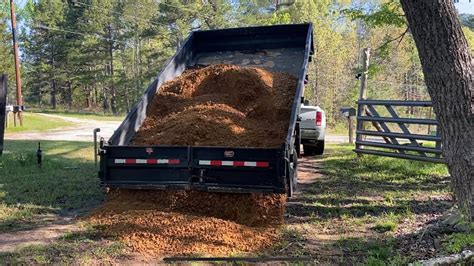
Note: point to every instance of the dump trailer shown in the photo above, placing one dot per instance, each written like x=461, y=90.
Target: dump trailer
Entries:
x=283, y=48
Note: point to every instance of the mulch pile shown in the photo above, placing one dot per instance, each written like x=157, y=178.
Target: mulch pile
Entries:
x=155, y=222
x=218, y=105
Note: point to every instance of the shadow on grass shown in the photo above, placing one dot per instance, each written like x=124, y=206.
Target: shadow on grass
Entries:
x=353, y=196
x=369, y=186
x=65, y=184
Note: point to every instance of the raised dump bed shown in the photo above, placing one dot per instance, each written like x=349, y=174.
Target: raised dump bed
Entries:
x=128, y=163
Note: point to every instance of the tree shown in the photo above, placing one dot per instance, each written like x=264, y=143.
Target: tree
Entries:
x=448, y=68
x=46, y=50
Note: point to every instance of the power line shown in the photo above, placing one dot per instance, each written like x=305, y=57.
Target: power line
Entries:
x=80, y=33
x=135, y=17
x=118, y=13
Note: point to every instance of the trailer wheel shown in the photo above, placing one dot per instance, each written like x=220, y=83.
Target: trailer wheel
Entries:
x=298, y=141
x=289, y=184
x=292, y=174
x=295, y=170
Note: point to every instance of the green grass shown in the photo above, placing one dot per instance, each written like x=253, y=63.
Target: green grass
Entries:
x=36, y=122
x=66, y=183
x=459, y=241
x=340, y=128
x=366, y=200
x=85, y=115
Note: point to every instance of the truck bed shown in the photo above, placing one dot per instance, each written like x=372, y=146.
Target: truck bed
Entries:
x=281, y=48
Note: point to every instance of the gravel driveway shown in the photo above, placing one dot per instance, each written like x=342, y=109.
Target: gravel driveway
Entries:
x=82, y=131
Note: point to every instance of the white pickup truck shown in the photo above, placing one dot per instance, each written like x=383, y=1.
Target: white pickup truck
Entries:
x=313, y=129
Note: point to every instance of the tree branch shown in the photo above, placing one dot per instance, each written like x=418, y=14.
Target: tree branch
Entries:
x=399, y=38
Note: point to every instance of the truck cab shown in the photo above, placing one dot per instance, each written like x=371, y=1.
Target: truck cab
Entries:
x=313, y=129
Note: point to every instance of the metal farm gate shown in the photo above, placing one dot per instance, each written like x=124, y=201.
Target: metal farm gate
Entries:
x=392, y=135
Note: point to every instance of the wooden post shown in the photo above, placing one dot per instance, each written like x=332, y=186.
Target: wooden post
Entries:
x=362, y=94
x=3, y=103
x=19, y=97
x=351, y=130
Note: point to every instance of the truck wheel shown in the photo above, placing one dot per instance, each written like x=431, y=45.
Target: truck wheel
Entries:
x=308, y=150
x=319, y=150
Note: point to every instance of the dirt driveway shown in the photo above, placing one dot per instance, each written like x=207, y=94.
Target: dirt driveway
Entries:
x=82, y=131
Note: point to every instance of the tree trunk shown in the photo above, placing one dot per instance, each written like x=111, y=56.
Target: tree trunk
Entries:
x=88, y=96
x=105, y=103
x=126, y=92
x=53, y=94
x=113, y=92
x=69, y=95
x=53, y=81
x=448, y=70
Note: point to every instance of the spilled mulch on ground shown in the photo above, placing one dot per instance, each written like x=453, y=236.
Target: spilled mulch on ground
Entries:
x=220, y=105
x=183, y=223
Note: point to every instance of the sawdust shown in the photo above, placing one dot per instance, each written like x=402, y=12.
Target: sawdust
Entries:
x=184, y=223
x=220, y=105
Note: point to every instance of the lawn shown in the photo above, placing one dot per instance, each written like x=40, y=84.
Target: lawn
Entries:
x=36, y=122
x=66, y=185
x=359, y=210
x=85, y=115
x=369, y=210
x=66, y=182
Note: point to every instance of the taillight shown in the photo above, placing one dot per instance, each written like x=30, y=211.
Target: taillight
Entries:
x=319, y=118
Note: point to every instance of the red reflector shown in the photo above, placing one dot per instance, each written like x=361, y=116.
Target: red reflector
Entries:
x=130, y=161
x=262, y=164
x=319, y=118
x=216, y=163
x=239, y=163
x=151, y=161
x=173, y=161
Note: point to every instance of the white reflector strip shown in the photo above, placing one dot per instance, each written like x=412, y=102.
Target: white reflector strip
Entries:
x=233, y=163
x=203, y=162
x=147, y=161
x=250, y=163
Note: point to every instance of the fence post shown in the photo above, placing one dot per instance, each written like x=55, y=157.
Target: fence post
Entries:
x=362, y=94
x=3, y=103
x=351, y=130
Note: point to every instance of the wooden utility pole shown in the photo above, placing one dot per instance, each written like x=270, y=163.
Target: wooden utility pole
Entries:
x=3, y=103
x=19, y=100
x=362, y=93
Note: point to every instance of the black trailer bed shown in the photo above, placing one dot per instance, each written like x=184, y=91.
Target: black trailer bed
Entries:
x=281, y=48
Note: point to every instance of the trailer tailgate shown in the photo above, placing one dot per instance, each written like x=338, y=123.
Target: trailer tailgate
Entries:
x=201, y=168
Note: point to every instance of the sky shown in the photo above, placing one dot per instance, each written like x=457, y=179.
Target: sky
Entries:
x=465, y=6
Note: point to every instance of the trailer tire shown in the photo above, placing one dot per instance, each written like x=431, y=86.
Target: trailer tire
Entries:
x=295, y=170
x=288, y=183
x=292, y=174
